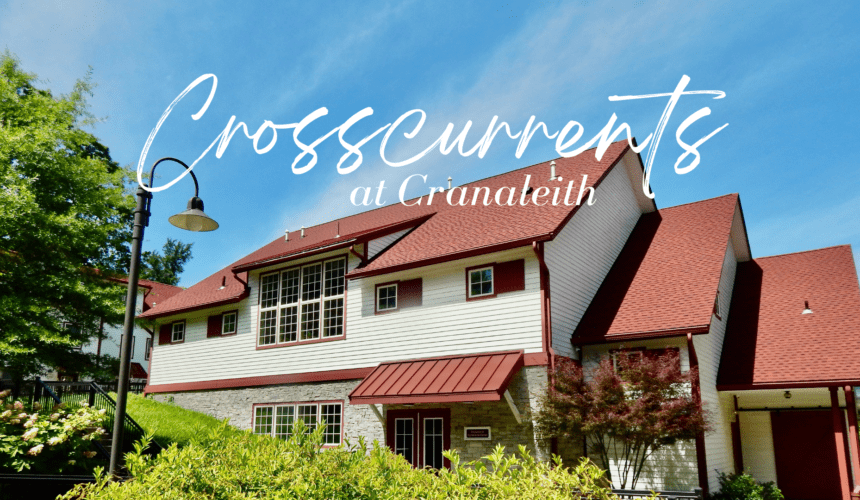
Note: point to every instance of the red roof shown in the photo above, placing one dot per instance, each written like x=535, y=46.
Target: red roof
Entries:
x=478, y=377
x=770, y=343
x=665, y=280
x=137, y=371
x=442, y=232
x=155, y=292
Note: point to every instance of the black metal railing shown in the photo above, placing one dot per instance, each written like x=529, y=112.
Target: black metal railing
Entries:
x=696, y=494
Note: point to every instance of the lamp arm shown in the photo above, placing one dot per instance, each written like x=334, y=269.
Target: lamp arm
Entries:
x=190, y=171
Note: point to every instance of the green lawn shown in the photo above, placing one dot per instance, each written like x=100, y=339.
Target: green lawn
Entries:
x=169, y=423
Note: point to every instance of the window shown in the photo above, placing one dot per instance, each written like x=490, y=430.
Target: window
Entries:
x=178, y=332
x=73, y=330
x=278, y=419
x=481, y=282
x=148, y=349
x=302, y=303
x=386, y=297
x=228, y=323
x=623, y=357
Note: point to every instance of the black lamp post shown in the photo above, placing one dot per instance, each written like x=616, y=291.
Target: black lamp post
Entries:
x=193, y=219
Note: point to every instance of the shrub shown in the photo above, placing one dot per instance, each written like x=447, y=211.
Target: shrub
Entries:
x=48, y=440
x=744, y=487
x=230, y=465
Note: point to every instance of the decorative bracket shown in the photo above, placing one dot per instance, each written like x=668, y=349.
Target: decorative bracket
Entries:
x=513, y=407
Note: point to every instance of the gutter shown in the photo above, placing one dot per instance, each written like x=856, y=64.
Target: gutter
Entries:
x=546, y=307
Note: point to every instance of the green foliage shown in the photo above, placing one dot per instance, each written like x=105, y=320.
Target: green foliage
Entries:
x=744, y=487
x=64, y=225
x=50, y=441
x=169, y=423
x=227, y=465
x=626, y=411
x=167, y=266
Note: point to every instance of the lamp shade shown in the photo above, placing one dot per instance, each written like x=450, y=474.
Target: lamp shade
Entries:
x=193, y=219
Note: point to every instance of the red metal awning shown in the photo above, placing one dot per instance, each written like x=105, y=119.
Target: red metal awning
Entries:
x=449, y=379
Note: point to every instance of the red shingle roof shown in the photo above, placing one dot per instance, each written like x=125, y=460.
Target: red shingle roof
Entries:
x=136, y=370
x=443, y=232
x=769, y=343
x=155, y=292
x=666, y=278
x=478, y=377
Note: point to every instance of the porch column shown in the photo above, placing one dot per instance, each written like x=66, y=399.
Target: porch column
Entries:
x=851, y=408
x=839, y=436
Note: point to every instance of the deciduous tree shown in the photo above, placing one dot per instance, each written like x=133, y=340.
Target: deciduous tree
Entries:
x=167, y=266
x=64, y=225
x=626, y=409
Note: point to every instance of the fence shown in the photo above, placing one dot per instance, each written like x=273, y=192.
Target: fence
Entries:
x=669, y=495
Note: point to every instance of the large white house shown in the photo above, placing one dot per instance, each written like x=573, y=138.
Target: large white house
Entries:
x=433, y=326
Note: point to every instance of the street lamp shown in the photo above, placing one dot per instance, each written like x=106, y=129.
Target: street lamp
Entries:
x=193, y=219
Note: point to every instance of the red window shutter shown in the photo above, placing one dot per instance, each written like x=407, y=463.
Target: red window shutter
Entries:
x=164, y=334
x=409, y=293
x=510, y=276
x=213, y=328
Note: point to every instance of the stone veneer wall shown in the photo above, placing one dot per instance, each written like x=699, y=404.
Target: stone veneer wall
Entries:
x=359, y=420
x=236, y=404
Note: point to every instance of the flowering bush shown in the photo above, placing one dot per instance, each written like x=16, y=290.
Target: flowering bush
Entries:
x=48, y=440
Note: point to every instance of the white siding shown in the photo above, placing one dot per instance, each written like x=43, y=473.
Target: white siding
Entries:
x=757, y=445
x=446, y=324
x=379, y=244
x=718, y=442
x=583, y=252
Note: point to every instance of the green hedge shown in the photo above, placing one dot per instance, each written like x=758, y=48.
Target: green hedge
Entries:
x=227, y=465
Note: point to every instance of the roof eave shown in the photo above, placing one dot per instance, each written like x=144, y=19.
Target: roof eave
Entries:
x=654, y=334
x=152, y=314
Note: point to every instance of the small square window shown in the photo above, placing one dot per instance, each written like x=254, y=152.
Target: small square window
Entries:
x=386, y=297
x=228, y=323
x=481, y=282
x=178, y=332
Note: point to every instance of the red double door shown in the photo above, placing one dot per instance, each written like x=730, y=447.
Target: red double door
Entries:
x=805, y=455
x=420, y=436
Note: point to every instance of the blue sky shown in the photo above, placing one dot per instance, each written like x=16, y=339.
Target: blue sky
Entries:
x=788, y=71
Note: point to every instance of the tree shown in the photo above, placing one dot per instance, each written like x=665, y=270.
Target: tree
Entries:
x=626, y=409
x=64, y=226
x=166, y=267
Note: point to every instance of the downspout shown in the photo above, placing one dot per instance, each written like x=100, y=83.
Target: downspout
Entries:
x=360, y=256
x=701, y=458
x=546, y=309
x=546, y=323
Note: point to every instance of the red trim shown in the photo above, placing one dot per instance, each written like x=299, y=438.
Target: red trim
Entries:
x=492, y=266
x=160, y=314
x=536, y=359
x=351, y=239
x=656, y=334
x=376, y=298
x=447, y=258
x=292, y=378
x=302, y=342
x=360, y=257
x=852, y=432
x=787, y=385
x=839, y=436
x=341, y=402
x=701, y=457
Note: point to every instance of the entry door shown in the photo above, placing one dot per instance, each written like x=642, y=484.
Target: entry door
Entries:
x=420, y=436
x=805, y=455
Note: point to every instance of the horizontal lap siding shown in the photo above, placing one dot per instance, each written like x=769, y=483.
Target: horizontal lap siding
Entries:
x=757, y=445
x=444, y=325
x=583, y=252
x=718, y=442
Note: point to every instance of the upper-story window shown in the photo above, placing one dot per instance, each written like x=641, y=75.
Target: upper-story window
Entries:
x=481, y=282
x=178, y=332
x=386, y=297
x=302, y=303
x=147, y=349
x=228, y=323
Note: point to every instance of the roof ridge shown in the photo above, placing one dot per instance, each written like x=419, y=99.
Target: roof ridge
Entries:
x=848, y=245
x=737, y=195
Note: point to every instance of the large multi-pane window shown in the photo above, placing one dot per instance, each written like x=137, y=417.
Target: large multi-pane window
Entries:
x=278, y=420
x=302, y=303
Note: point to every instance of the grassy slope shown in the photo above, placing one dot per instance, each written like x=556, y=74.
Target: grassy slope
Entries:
x=169, y=423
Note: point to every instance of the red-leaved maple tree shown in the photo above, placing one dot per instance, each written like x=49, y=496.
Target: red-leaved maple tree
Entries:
x=626, y=408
